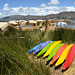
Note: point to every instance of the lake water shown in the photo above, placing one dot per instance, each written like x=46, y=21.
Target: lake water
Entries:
x=72, y=24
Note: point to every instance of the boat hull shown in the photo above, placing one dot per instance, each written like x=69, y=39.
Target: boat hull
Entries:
x=41, y=47
x=45, y=49
x=36, y=47
x=59, y=52
x=51, y=48
x=70, y=57
x=63, y=55
x=53, y=52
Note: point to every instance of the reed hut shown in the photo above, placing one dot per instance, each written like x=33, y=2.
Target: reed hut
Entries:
x=3, y=26
x=13, y=23
x=22, y=22
x=32, y=22
x=40, y=21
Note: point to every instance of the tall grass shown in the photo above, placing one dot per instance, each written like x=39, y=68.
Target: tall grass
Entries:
x=14, y=57
x=66, y=35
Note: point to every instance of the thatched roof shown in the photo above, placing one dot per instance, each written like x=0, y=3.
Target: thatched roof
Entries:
x=13, y=22
x=3, y=25
x=40, y=20
x=32, y=21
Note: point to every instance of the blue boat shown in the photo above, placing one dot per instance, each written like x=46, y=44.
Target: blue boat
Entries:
x=36, y=47
x=42, y=46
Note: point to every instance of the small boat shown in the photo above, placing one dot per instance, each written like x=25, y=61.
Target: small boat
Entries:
x=36, y=47
x=70, y=57
x=51, y=48
x=53, y=52
x=63, y=55
x=45, y=48
x=42, y=46
x=58, y=54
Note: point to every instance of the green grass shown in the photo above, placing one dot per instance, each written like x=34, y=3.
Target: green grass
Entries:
x=66, y=35
x=14, y=57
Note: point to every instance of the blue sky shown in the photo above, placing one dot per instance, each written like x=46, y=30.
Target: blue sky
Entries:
x=35, y=7
x=33, y=3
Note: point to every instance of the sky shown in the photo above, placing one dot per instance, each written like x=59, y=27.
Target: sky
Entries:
x=35, y=7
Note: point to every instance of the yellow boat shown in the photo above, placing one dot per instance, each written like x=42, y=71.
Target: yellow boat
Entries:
x=51, y=48
x=63, y=55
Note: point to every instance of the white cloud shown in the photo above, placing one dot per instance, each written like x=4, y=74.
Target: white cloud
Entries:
x=43, y=5
x=0, y=13
x=70, y=8
x=53, y=2
x=6, y=7
x=7, y=11
x=17, y=11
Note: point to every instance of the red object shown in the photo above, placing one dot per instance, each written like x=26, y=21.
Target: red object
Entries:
x=55, y=21
x=58, y=54
x=70, y=57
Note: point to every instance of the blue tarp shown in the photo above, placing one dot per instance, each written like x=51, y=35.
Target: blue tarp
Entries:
x=22, y=26
x=29, y=26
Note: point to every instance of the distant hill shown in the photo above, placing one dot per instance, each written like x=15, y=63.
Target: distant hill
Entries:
x=62, y=15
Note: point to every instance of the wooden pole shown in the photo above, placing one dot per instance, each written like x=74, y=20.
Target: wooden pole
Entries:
x=40, y=23
x=47, y=26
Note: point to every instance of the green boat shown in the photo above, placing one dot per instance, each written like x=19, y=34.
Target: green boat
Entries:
x=53, y=52
x=45, y=48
